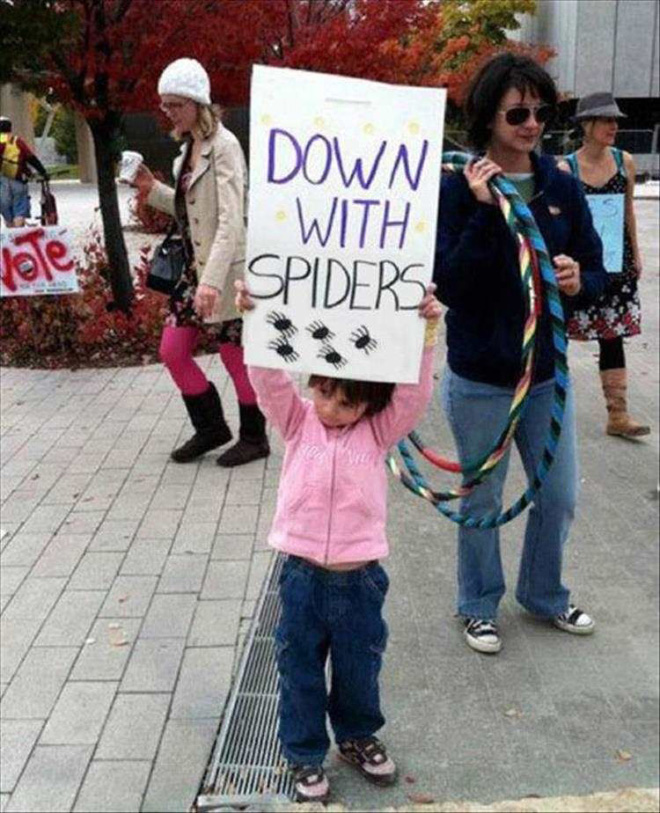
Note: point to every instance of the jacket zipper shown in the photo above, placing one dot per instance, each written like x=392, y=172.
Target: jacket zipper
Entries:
x=330, y=501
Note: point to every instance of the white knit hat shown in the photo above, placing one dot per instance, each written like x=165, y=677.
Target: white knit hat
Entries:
x=187, y=78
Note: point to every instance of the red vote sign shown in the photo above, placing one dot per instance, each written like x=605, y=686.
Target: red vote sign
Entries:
x=36, y=260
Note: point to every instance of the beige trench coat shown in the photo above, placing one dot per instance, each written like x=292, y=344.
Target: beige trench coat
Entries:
x=215, y=202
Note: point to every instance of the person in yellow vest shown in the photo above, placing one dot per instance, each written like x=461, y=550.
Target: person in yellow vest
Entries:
x=17, y=161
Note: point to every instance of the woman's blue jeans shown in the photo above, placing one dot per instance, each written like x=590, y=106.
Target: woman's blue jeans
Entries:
x=337, y=615
x=477, y=414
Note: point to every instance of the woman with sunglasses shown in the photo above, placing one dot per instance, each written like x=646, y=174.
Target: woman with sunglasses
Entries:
x=209, y=199
x=478, y=278
x=605, y=170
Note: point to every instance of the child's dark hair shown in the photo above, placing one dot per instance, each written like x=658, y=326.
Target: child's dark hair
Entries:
x=493, y=80
x=375, y=394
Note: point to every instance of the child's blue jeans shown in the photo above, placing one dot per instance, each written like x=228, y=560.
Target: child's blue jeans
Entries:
x=336, y=614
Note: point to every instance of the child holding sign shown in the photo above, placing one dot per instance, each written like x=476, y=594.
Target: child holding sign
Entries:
x=330, y=519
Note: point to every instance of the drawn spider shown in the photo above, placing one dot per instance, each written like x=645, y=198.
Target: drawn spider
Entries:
x=320, y=331
x=363, y=340
x=280, y=322
x=332, y=356
x=282, y=347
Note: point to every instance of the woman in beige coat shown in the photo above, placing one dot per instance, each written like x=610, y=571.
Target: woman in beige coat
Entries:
x=208, y=200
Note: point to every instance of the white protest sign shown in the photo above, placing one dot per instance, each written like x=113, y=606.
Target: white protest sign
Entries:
x=344, y=185
x=36, y=260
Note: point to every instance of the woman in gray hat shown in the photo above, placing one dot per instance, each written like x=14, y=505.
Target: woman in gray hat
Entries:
x=608, y=179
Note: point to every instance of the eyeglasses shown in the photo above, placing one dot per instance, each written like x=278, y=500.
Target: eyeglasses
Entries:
x=166, y=107
x=519, y=115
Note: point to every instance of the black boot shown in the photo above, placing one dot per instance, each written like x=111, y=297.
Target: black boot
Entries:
x=253, y=442
x=211, y=429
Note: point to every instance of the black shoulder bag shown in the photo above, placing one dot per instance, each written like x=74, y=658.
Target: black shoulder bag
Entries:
x=168, y=263
x=174, y=254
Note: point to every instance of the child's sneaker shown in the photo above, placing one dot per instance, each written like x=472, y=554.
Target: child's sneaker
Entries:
x=310, y=783
x=575, y=621
x=482, y=635
x=369, y=756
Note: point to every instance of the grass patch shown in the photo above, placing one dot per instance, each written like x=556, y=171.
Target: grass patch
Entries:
x=64, y=172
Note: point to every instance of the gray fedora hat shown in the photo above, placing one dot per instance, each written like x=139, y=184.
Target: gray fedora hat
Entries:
x=597, y=105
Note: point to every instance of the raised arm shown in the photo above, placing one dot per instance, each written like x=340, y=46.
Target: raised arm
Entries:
x=408, y=405
x=409, y=401
x=278, y=398
x=277, y=394
x=469, y=236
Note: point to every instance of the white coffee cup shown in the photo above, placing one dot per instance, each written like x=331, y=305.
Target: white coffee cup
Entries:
x=130, y=163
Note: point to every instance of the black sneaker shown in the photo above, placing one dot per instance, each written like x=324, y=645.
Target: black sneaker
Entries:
x=369, y=756
x=310, y=783
x=575, y=621
x=482, y=635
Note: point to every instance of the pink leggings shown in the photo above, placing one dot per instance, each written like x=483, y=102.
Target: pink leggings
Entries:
x=177, y=345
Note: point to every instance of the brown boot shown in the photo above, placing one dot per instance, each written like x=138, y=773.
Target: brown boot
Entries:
x=618, y=421
x=252, y=442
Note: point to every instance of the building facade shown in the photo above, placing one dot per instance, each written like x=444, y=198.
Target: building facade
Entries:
x=606, y=45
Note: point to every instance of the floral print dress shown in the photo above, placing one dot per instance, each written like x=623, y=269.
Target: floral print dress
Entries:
x=181, y=305
x=617, y=313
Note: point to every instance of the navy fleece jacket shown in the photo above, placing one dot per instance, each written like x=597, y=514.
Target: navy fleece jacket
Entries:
x=478, y=277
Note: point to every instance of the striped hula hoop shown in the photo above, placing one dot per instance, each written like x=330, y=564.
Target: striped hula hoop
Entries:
x=531, y=247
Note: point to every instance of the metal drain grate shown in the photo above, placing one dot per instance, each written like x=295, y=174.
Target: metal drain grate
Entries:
x=246, y=767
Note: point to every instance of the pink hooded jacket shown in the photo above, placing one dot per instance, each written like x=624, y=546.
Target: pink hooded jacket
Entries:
x=332, y=498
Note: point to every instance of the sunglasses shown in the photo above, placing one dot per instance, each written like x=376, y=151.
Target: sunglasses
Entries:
x=166, y=107
x=519, y=115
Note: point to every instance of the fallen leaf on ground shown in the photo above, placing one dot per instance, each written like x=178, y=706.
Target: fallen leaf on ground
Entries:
x=410, y=780
x=421, y=798
x=623, y=756
x=116, y=635
x=513, y=713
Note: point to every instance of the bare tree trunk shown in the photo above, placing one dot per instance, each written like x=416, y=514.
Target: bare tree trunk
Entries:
x=104, y=134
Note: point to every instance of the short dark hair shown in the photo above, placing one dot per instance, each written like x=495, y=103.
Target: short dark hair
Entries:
x=375, y=394
x=493, y=80
x=5, y=125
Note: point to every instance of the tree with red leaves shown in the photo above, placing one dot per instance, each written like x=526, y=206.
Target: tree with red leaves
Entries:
x=108, y=54
x=103, y=57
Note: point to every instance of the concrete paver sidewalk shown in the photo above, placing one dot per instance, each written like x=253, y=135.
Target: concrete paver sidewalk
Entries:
x=127, y=584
